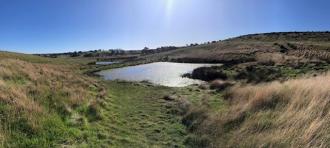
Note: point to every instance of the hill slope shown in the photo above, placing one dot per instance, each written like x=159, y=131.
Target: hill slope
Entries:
x=40, y=102
x=292, y=112
x=48, y=102
x=249, y=47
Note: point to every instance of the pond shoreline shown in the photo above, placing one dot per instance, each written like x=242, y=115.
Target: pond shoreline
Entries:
x=161, y=73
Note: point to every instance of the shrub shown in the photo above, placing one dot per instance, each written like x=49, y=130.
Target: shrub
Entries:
x=194, y=118
x=94, y=112
x=208, y=73
x=197, y=141
x=219, y=84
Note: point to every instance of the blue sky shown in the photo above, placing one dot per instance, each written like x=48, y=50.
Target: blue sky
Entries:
x=47, y=26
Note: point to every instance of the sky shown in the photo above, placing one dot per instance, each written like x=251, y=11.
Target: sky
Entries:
x=52, y=26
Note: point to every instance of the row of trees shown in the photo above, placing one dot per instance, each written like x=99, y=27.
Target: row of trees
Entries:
x=205, y=43
x=114, y=52
x=146, y=50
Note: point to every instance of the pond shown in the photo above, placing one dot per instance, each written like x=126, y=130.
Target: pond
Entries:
x=161, y=73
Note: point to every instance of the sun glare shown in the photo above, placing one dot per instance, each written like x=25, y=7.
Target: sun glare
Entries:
x=169, y=4
x=169, y=8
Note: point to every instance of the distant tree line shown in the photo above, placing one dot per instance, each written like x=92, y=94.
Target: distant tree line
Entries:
x=205, y=43
x=146, y=50
x=118, y=52
x=93, y=53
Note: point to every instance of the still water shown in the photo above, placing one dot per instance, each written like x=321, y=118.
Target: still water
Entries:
x=161, y=73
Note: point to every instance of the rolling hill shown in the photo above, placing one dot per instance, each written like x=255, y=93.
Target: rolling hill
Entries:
x=277, y=97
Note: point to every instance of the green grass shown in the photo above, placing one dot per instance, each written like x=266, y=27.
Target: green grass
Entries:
x=199, y=97
x=135, y=115
x=51, y=130
x=127, y=115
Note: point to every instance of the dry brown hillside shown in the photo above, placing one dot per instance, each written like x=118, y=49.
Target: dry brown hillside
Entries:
x=302, y=45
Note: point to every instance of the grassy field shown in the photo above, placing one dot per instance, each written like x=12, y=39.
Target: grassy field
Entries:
x=38, y=102
x=277, y=98
x=135, y=115
x=45, y=103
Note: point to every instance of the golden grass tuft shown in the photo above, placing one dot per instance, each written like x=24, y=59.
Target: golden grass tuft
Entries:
x=294, y=113
x=2, y=83
x=16, y=97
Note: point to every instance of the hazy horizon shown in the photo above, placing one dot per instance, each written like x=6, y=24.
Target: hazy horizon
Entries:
x=48, y=26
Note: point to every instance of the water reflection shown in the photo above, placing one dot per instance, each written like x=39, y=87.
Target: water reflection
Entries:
x=162, y=73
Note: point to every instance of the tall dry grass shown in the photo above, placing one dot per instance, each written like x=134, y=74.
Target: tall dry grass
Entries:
x=21, y=81
x=294, y=113
x=30, y=93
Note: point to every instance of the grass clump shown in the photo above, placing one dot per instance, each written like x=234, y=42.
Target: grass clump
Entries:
x=293, y=113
